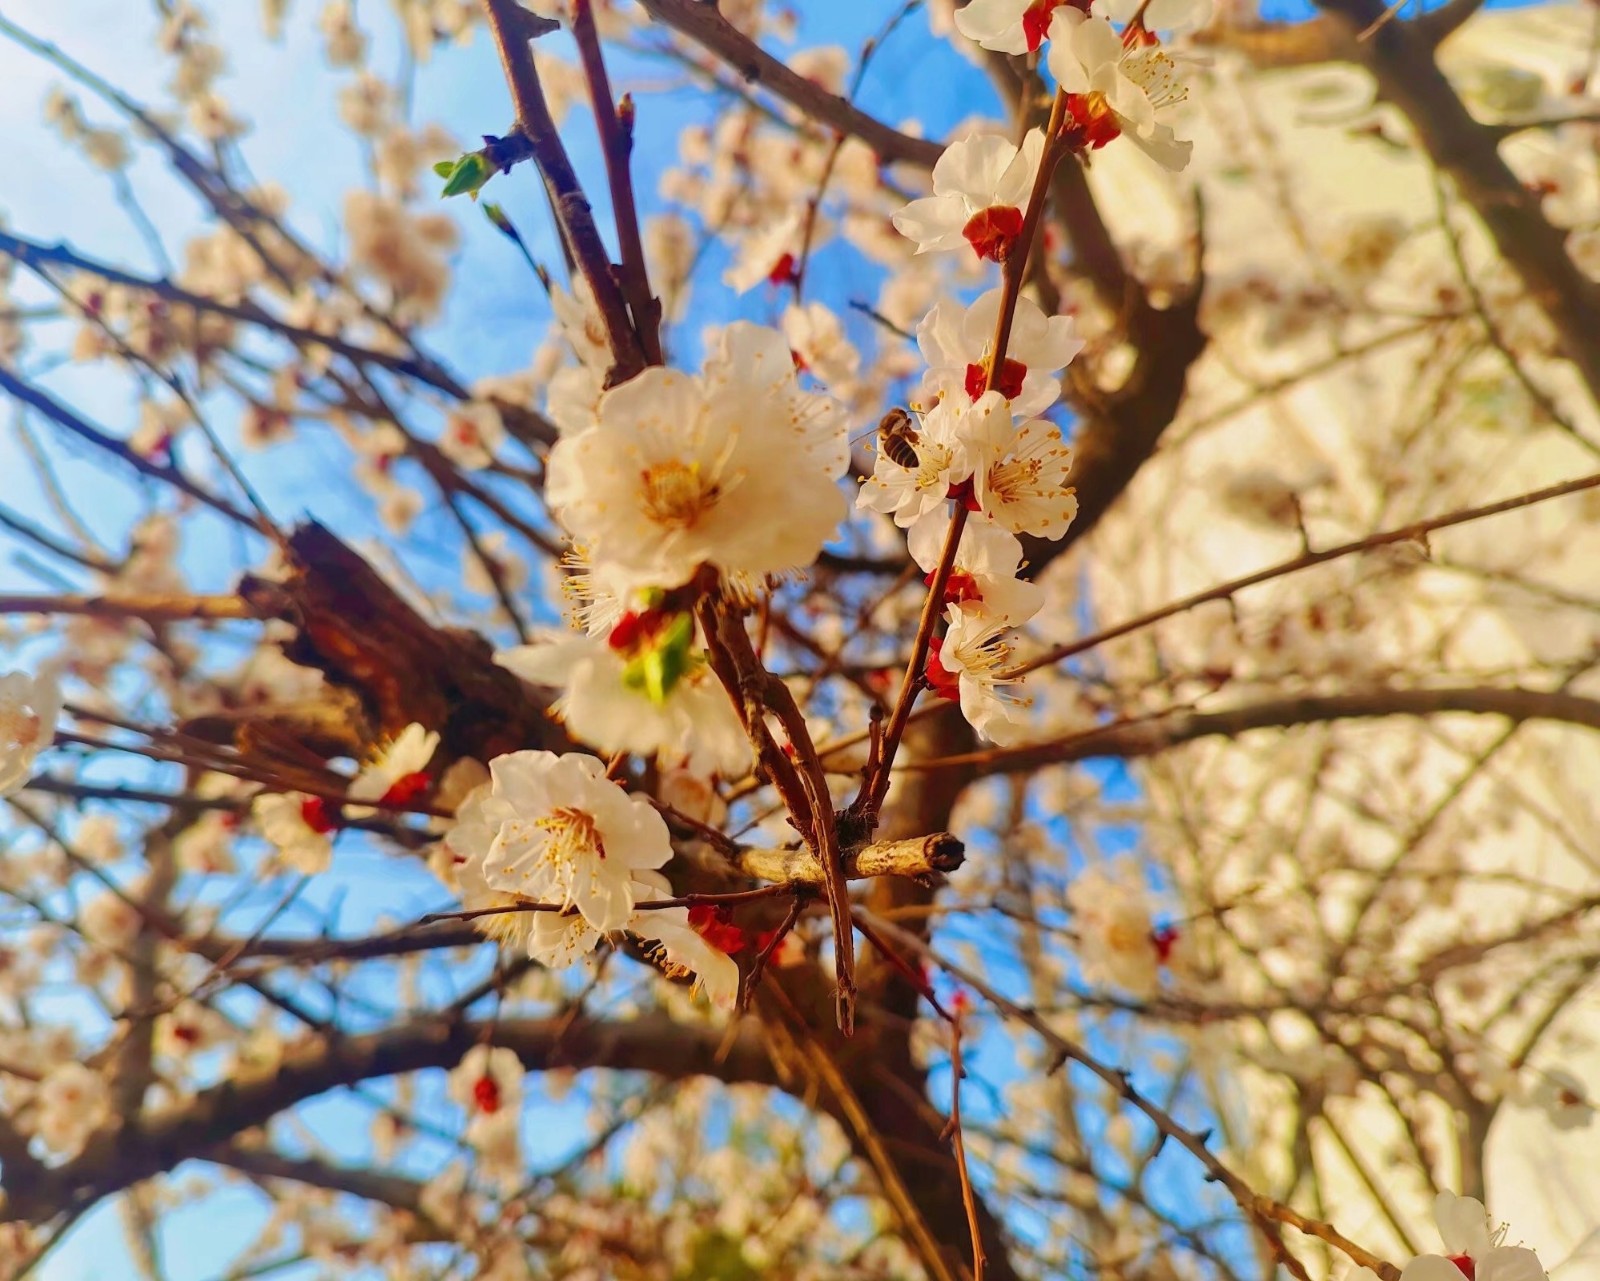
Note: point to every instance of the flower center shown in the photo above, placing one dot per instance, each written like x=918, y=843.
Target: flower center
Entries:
x=570, y=835
x=993, y=231
x=717, y=927
x=406, y=788
x=1155, y=73
x=675, y=494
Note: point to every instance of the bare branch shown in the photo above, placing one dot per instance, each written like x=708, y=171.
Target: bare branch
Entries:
x=1164, y=731
x=703, y=24
x=144, y=1146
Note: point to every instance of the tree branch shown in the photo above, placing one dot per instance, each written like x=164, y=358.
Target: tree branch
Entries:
x=705, y=26
x=534, y=122
x=1164, y=731
x=59, y=414
x=143, y=1146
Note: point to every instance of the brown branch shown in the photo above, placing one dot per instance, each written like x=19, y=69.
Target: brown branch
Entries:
x=56, y=546
x=1119, y=432
x=528, y=426
x=1160, y=733
x=705, y=26
x=581, y=235
x=389, y=1189
x=144, y=1146
x=151, y=608
x=875, y=783
x=1400, y=56
x=920, y=856
x=59, y=414
x=1503, y=129
x=615, y=123
x=1415, y=532
x=1436, y=25
x=803, y=784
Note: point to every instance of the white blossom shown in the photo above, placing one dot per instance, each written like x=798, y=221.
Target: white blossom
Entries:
x=487, y=1081
x=819, y=343
x=683, y=949
x=968, y=665
x=1006, y=26
x=553, y=829
x=1116, y=935
x=1172, y=16
x=981, y=186
x=297, y=827
x=1019, y=476
x=73, y=1101
x=1564, y=1099
x=1116, y=88
x=984, y=579
x=944, y=458
x=956, y=342
x=29, y=708
x=735, y=468
x=1474, y=1248
x=397, y=772
x=473, y=431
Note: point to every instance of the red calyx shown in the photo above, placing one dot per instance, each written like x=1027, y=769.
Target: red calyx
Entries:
x=958, y=588
x=1008, y=381
x=940, y=680
x=186, y=1034
x=965, y=494
x=406, y=788
x=634, y=629
x=1093, y=123
x=486, y=1095
x=1036, y=21
x=783, y=272
x=1465, y=1265
x=716, y=926
x=314, y=813
x=1164, y=940
x=993, y=231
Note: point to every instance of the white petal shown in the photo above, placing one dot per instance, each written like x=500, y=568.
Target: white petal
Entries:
x=972, y=167
x=934, y=222
x=1431, y=1267
x=1463, y=1224
x=1510, y=1263
x=995, y=24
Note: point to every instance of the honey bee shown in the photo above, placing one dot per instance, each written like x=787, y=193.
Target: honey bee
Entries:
x=897, y=439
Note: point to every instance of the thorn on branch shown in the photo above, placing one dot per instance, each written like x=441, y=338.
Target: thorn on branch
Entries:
x=533, y=25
